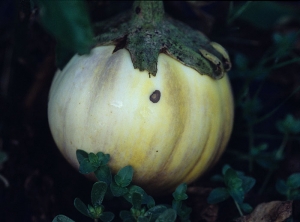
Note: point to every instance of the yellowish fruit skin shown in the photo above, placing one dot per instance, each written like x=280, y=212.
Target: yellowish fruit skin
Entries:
x=99, y=102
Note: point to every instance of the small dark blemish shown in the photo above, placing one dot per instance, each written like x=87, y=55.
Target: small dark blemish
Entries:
x=157, y=151
x=155, y=96
x=137, y=10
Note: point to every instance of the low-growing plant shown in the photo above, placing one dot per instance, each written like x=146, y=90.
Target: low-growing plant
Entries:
x=290, y=188
x=236, y=186
x=143, y=207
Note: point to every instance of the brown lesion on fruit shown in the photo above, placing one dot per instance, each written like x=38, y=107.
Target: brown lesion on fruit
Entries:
x=155, y=96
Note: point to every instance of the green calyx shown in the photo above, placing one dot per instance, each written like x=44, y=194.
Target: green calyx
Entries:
x=146, y=31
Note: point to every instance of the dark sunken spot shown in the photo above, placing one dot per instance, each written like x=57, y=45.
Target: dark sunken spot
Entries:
x=155, y=96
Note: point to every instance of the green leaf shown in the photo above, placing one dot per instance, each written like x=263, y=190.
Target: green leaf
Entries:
x=267, y=161
x=103, y=158
x=107, y=216
x=144, y=219
x=176, y=205
x=234, y=184
x=124, y=176
x=94, y=160
x=281, y=187
x=294, y=195
x=81, y=207
x=116, y=190
x=180, y=192
x=293, y=181
x=232, y=179
x=169, y=215
x=62, y=218
x=184, y=213
x=69, y=23
x=146, y=199
x=246, y=208
x=136, y=200
x=225, y=168
x=86, y=167
x=81, y=155
x=218, y=195
x=155, y=211
x=237, y=194
x=248, y=183
x=289, y=125
x=256, y=150
x=126, y=216
x=98, y=193
x=103, y=173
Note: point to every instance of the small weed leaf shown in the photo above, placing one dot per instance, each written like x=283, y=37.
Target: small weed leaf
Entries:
x=62, y=218
x=169, y=215
x=155, y=211
x=103, y=158
x=176, y=205
x=234, y=184
x=124, y=177
x=93, y=158
x=294, y=195
x=232, y=180
x=248, y=183
x=103, y=173
x=184, y=213
x=118, y=191
x=95, y=211
x=91, y=210
x=107, y=216
x=267, y=161
x=256, y=150
x=146, y=199
x=98, y=193
x=218, y=195
x=136, y=200
x=246, y=208
x=149, y=201
x=143, y=219
x=86, y=167
x=81, y=155
x=81, y=207
x=225, y=168
x=126, y=216
x=293, y=181
x=281, y=187
x=180, y=192
x=289, y=125
x=237, y=194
